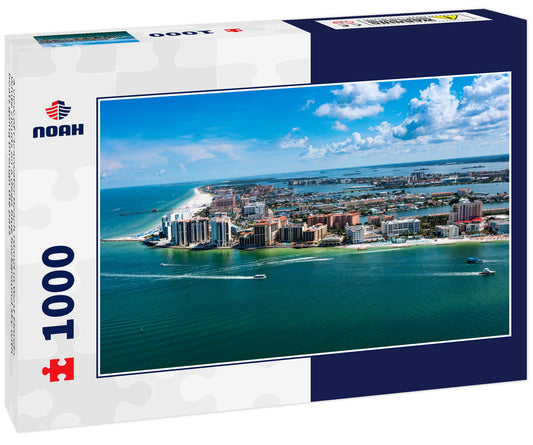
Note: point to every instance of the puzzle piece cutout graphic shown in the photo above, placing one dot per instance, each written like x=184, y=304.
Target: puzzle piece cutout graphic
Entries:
x=55, y=369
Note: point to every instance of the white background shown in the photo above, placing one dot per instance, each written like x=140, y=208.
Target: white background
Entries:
x=487, y=414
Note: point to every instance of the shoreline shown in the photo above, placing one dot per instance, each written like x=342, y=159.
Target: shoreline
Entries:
x=196, y=203
x=362, y=246
x=427, y=242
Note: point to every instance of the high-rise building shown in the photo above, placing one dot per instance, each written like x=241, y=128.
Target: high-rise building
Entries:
x=221, y=231
x=465, y=210
x=314, y=233
x=265, y=231
x=400, y=226
x=292, y=233
x=190, y=231
x=166, y=221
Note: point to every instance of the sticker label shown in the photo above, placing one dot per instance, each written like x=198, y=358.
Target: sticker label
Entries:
x=401, y=20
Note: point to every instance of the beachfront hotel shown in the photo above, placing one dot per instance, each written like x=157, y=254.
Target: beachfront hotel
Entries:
x=448, y=231
x=334, y=220
x=166, y=221
x=400, y=226
x=221, y=231
x=190, y=231
x=292, y=233
x=359, y=234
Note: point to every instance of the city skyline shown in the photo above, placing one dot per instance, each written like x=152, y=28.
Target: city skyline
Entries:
x=198, y=137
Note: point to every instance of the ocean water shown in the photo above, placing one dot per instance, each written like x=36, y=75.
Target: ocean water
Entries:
x=137, y=204
x=163, y=308
x=167, y=308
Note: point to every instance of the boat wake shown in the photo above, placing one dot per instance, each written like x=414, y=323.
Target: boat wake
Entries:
x=176, y=277
x=451, y=274
x=309, y=259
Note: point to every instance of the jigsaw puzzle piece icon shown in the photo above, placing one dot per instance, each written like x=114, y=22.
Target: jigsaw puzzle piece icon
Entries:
x=55, y=369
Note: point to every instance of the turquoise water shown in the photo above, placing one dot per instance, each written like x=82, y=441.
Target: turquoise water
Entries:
x=130, y=200
x=164, y=308
x=167, y=308
x=205, y=307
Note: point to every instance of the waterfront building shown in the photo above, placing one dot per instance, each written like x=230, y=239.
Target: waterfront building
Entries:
x=475, y=225
x=246, y=239
x=416, y=176
x=189, y=232
x=254, y=210
x=292, y=233
x=314, y=233
x=221, y=231
x=265, y=231
x=499, y=225
x=448, y=231
x=464, y=192
x=166, y=220
x=358, y=234
x=335, y=220
x=400, y=226
x=331, y=241
x=376, y=220
x=441, y=195
x=465, y=210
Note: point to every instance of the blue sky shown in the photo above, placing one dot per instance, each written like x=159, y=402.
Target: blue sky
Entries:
x=197, y=137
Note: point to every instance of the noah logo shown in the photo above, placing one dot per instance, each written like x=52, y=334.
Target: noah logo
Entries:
x=58, y=111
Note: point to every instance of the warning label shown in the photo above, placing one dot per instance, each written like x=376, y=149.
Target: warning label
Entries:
x=401, y=20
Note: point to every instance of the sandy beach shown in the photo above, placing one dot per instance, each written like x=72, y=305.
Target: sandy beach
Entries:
x=428, y=242
x=196, y=204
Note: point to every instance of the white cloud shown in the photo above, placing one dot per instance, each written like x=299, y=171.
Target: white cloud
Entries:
x=359, y=100
x=339, y=126
x=308, y=104
x=348, y=111
x=292, y=140
x=203, y=150
x=369, y=92
x=438, y=115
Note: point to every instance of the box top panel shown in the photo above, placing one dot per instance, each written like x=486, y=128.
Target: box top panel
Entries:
x=240, y=30
x=154, y=34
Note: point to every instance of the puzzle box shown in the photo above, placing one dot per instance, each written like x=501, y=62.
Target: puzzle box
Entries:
x=214, y=217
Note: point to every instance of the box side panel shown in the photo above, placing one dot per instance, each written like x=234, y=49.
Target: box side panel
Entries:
x=11, y=379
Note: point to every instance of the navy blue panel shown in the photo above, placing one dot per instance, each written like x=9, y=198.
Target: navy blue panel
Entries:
x=409, y=51
x=427, y=51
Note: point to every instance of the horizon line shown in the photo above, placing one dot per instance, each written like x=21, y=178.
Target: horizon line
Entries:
x=414, y=163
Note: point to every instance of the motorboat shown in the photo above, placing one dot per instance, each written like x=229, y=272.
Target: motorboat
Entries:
x=487, y=271
x=472, y=260
x=260, y=277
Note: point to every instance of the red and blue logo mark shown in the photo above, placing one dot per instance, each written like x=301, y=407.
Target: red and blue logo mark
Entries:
x=58, y=110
